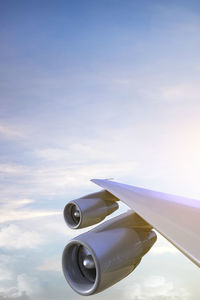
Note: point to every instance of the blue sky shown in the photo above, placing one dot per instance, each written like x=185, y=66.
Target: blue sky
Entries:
x=94, y=89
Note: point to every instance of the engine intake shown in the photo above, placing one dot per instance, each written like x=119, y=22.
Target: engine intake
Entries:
x=96, y=260
x=90, y=209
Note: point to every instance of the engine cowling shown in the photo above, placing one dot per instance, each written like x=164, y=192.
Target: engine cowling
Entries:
x=96, y=260
x=90, y=209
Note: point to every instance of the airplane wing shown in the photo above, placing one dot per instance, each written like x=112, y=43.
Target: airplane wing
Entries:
x=97, y=259
x=176, y=218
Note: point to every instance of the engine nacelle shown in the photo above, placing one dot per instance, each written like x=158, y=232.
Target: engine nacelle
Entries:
x=96, y=260
x=90, y=209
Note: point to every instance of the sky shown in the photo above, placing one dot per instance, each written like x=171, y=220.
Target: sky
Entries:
x=94, y=89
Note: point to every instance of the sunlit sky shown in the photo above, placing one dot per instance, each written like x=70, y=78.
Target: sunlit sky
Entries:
x=94, y=89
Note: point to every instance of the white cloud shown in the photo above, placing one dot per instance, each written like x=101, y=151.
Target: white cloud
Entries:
x=88, y=162
x=24, y=286
x=10, y=133
x=51, y=264
x=164, y=249
x=59, y=228
x=13, y=169
x=181, y=92
x=53, y=154
x=14, y=237
x=5, y=273
x=27, y=285
x=154, y=288
x=77, y=152
x=24, y=214
x=60, y=176
x=163, y=246
x=16, y=210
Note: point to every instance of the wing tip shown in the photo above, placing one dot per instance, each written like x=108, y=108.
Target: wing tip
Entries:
x=97, y=180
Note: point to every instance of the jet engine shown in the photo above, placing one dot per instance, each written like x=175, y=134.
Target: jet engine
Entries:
x=90, y=209
x=97, y=259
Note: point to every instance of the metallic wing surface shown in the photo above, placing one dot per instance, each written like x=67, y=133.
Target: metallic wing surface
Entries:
x=176, y=218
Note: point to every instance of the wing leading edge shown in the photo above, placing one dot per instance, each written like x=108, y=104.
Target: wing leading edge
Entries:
x=176, y=218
